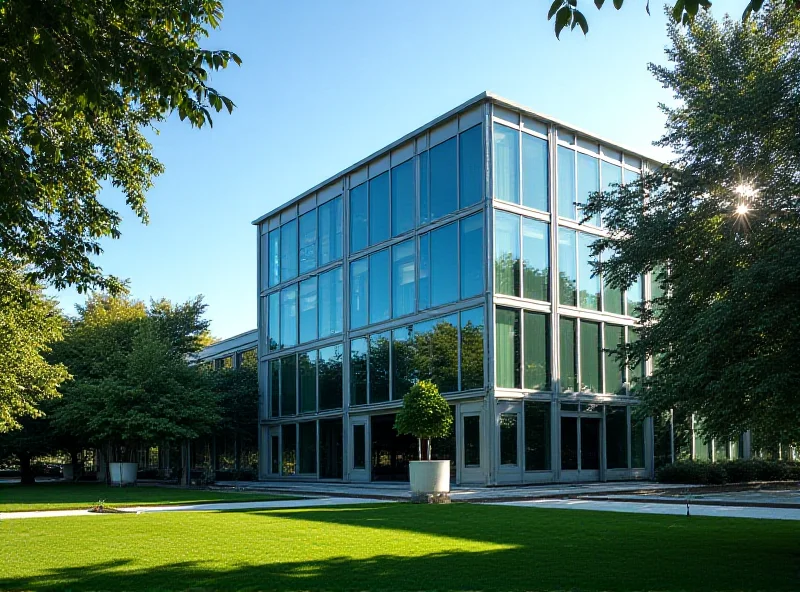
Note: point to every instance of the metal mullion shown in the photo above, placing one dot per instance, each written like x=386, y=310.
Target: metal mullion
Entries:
x=521, y=316
x=629, y=420
x=519, y=160
x=578, y=369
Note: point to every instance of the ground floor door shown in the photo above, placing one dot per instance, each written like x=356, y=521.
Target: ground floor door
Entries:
x=472, y=458
x=581, y=447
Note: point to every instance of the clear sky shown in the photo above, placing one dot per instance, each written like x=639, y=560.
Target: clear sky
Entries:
x=324, y=84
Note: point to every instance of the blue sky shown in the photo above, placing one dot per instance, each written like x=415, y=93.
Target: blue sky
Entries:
x=324, y=84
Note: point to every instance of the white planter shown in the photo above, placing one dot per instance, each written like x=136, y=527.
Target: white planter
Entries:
x=67, y=472
x=122, y=473
x=429, y=476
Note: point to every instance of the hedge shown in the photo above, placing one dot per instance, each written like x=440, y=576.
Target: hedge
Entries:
x=732, y=471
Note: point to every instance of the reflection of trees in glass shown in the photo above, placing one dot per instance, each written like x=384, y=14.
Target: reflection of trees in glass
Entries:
x=379, y=367
x=471, y=356
x=567, y=289
x=535, y=282
x=307, y=366
x=330, y=377
x=404, y=373
x=506, y=273
x=358, y=372
x=436, y=354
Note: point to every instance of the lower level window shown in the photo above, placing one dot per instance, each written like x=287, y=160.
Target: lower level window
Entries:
x=508, y=438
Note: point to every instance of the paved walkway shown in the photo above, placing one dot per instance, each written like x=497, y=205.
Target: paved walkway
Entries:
x=659, y=508
x=279, y=504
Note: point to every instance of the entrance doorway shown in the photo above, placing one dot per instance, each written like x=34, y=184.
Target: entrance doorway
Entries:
x=391, y=451
x=581, y=444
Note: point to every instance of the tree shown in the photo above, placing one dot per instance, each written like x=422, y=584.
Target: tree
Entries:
x=567, y=13
x=425, y=414
x=29, y=323
x=720, y=230
x=83, y=82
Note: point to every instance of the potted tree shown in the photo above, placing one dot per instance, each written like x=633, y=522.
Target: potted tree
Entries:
x=425, y=415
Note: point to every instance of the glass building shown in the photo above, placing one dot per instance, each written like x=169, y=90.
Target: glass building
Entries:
x=456, y=254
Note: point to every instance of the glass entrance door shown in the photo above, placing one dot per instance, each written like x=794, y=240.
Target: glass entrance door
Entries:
x=581, y=443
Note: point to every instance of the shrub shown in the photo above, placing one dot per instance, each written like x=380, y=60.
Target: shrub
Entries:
x=425, y=414
x=733, y=471
x=692, y=473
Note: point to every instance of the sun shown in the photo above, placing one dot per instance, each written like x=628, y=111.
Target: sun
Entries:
x=742, y=210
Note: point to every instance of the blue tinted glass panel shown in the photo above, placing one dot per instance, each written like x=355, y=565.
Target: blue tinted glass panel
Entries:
x=263, y=248
x=588, y=283
x=567, y=268
x=471, y=166
x=359, y=271
x=444, y=186
x=506, y=253
x=330, y=231
x=289, y=250
x=308, y=241
x=403, y=278
x=403, y=198
x=379, y=286
x=472, y=256
x=424, y=189
x=275, y=257
x=274, y=326
x=588, y=182
x=289, y=316
x=534, y=172
x=379, y=209
x=424, y=272
x=566, y=183
x=359, y=219
x=506, y=163
x=308, y=310
x=535, y=259
x=631, y=176
x=444, y=265
x=611, y=174
x=330, y=303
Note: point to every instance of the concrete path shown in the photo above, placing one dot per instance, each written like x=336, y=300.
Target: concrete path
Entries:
x=656, y=508
x=274, y=505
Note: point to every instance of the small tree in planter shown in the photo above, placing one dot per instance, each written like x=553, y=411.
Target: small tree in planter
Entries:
x=426, y=415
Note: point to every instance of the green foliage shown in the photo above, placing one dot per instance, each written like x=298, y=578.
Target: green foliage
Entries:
x=734, y=471
x=29, y=323
x=425, y=413
x=83, y=83
x=236, y=392
x=724, y=333
x=567, y=14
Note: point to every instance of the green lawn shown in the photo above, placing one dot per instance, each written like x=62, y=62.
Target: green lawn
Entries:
x=71, y=496
x=399, y=547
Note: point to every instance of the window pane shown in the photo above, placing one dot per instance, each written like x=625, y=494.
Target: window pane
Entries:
x=569, y=376
x=263, y=248
x=506, y=253
x=307, y=362
x=537, y=436
x=471, y=166
x=506, y=163
x=289, y=250
x=472, y=441
x=566, y=183
x=611, y=174
x=444, y=191
x=403, y=282
x=472, y=349
x=289, y=316
x=634, y=297
x=535, y=259
x=567, y=268
x=274, y=326
x=436, y=344
x=569, y=443
x=331, y=448
x=359, y=448
x=614, y=376
x=358, y=292
x=507, y=348
x=379, y=367
x=472, y=256
x=330, y=231
x=537, y=345
x=424, y=272
x=274, y=387
x=379, y=286
x=444, y=265
x=330, y=377
x=308, y=241
x=308, y=447
x=534, y=172
x=612, y=297
x=590, y=357
x=275, y=459
x=637, y=443
x=403, y=198
x=358, y=371
x=635, y=370
x=308, y=310
x=403, y=357
x=378, y=209
x=359, y=219
x=508, y=438
x=588, y=283
x=288, y=385
x=289, y=437
x=631, y=176
x=617, y=437
x=274, y=257
x=330, y=303
x=424, y=189
x=588, y=182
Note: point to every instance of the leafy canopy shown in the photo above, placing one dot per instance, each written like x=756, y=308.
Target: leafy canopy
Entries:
x=82, y=83
x=425, y=413
x=720, y=228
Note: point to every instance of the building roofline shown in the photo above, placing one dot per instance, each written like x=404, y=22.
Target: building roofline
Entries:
x=484, y=96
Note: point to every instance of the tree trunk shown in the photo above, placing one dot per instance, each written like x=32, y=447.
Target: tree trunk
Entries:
x=26, y=471
x=419, y=447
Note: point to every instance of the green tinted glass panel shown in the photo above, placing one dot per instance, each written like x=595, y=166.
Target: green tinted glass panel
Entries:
x=569, y=377
x=506, y=253
x=537, y=346
x=535, y=259
x=590, y=357
x=614, y=375
x=537, y=436
x=588, y=283
x=567, y=268
x=507, y=348
x=506, y=163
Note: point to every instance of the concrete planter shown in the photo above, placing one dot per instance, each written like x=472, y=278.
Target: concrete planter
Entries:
x=122, y=473
x=430, y=480
x=67, y=472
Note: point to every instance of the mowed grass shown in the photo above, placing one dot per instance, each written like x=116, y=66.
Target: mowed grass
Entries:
x=80, y=496
x=399, y=547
